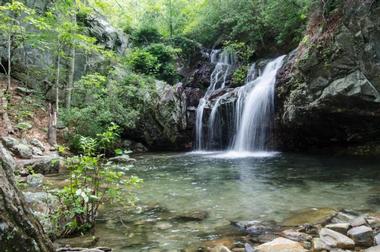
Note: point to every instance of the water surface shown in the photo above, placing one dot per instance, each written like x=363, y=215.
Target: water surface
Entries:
x=264, y=186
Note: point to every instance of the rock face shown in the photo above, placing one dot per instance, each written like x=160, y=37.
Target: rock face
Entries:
x=328, y=93
x=166, y=126
x=19, y=230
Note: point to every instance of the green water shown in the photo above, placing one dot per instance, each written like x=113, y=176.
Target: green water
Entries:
x=266, y=187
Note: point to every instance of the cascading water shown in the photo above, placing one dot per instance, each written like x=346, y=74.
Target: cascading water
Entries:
x=255, y=109
x=224, y=61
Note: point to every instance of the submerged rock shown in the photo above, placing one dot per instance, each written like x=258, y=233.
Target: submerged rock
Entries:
x=197, y=215
x=123, y=159
x=311, y=216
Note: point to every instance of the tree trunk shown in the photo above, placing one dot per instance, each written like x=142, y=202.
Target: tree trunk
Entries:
x=70, y=82
x=57, y=76
x=52, y=127
x=4, y=113
x=19, y=229
x=9, y=44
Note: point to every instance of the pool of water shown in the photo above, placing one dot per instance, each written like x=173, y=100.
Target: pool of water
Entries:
x=230, y=186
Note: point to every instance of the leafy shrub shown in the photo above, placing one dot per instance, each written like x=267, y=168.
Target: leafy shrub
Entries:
x=158, y=60
x=239, y=76
x=101, y=101
x=146, y=35
x=92, y=183
x=142, y=61
x=243, y=52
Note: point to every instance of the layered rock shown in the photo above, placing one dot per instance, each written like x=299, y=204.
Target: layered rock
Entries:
x=328, y=93
x=166, y=123
x=19, y=229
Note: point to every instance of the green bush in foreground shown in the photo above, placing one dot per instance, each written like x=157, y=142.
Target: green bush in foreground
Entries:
x=92, y=183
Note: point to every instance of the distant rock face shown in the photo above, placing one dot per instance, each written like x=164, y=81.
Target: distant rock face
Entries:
x=328, y=92
x=166, y=127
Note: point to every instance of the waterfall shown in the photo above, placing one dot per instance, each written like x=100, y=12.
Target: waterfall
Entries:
x=224, y=61
x=254, y=108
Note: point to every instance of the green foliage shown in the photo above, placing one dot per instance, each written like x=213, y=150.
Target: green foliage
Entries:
x=158, y=60
x=252, y=21
x=100, y=101
x=243, y=52
x=146, y=35
x=142, y=61
x=92, y=184
x=166, y=61
x=239, y=76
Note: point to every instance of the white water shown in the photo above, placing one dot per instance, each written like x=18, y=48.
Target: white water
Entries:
x=224, y=62
x=257, y=106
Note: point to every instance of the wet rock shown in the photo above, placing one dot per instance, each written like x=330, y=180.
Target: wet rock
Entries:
x=37, y=143
x=197, y=215
x=6, y=157
x=339, y=227
x=253, y=227
x=362, y=235
x=374, y=220
x=319, y=245
x=123, y=159
x=220, y=248
x=164, y=225
x=334, y=239
x=35, y=180
x=377, y=239
x=343, y=217
x=311, y=216
x=248, y=248
x=359, y=221
x=23, y=151
x=280, y=245
x=373, y=249
x=296, y=236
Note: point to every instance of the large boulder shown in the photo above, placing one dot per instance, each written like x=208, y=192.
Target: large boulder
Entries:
x=6, y=158
x=19, y=229
x=328, y=91
x=166, y=124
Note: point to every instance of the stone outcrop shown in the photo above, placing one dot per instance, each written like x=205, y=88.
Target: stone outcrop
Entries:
x=165, y=125
x=328, y=92
x=19, y=229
